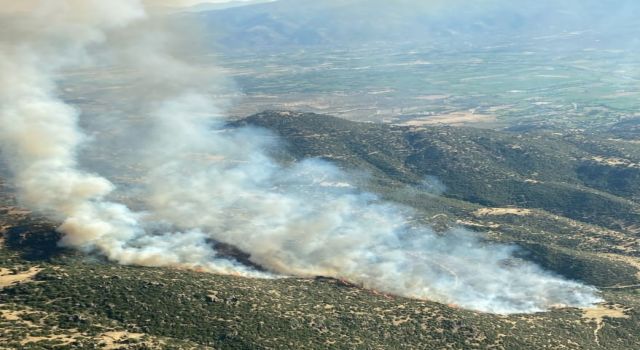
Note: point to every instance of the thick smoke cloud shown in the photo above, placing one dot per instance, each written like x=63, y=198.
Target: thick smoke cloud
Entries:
x=203, y=182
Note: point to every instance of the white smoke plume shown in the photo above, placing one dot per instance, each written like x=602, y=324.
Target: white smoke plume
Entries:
x=203, y=182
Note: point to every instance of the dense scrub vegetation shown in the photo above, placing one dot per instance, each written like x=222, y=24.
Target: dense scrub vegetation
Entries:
x=558, y=197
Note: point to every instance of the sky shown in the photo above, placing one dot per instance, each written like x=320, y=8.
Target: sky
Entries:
x=10, y=6
x=197, y=2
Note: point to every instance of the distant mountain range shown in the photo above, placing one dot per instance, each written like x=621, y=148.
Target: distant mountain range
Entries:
x=294, y=23
x=206, y=6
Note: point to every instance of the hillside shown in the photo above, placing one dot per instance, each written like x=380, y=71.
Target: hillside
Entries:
x=569, y=201
x=577, y=176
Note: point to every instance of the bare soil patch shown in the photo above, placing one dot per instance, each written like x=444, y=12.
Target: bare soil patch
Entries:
x=502, y=211
x=455, y=118
x=8, y=277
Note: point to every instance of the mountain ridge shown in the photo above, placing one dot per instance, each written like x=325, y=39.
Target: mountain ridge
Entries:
x=89, y=299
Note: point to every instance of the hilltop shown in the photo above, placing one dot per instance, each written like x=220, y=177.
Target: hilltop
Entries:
x=569, y=201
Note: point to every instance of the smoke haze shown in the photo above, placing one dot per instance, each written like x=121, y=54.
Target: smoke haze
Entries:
x=203, y=182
